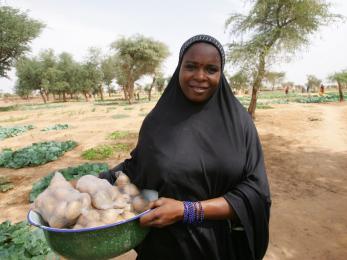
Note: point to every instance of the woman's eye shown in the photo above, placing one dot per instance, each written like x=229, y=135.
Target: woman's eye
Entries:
x=211, y=70
x=189, y=66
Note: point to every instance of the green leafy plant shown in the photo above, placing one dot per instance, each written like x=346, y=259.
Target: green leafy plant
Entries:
x=98, y=153
x=119, y=135
x=6, y=132
x=5, y=184
x=56, y=127
x=70, y=173
x=36, y=154
x=21, y=241
x=105, y=151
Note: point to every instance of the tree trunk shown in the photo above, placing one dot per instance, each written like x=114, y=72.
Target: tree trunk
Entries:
x=64, y=96
x=109, y=90
x=86, y=96
x=340, y=91
x=71, y=96
x=43, y=96
x=256, y=85
x=130, y=92
x=101, y=92
x=150, y=89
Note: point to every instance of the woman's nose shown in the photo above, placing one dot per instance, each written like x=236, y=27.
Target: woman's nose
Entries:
x=200, y=75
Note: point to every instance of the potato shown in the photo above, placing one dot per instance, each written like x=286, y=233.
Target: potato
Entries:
x=73, y=210
x=86, y=201
x=93, y=214
x=128, y=214
x=122, y=180
x=94, y=224
x=139, y=204
x=61, y=193
x=60, y=209
x=58, y=181
x=109, y=216
x=131, y=189
x=119, y=203
x=101, y=200
x=115, y=193
x=56, y=222
x=77, y=226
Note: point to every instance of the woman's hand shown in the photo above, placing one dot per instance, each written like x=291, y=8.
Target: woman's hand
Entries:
x=165, y=212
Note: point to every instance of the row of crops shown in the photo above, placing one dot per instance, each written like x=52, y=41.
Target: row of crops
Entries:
x=266, y=99
x=7, y=132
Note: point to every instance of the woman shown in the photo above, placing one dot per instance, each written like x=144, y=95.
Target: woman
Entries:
x=200, y=150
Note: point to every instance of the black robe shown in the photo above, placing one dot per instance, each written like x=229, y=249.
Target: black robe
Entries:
x=195, y=152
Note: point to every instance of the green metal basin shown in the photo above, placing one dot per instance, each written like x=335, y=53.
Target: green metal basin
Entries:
x=92, y=243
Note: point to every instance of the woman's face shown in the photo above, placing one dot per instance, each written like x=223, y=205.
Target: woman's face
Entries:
x=200, y=72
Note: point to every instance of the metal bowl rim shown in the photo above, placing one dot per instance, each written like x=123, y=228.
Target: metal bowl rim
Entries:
x=65, y=230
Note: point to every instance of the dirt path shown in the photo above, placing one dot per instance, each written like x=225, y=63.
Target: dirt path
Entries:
x=308, y=172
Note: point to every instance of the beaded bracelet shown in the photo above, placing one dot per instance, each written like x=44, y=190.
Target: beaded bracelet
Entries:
x=193, y=212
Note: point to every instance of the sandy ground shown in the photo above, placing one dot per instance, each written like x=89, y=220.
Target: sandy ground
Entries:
x=305, y=148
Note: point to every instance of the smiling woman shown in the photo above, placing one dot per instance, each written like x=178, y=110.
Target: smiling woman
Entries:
x=200, y=150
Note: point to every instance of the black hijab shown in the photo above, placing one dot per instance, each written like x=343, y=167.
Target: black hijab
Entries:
x=199, y=151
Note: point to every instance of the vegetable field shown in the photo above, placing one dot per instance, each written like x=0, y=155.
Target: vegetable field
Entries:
x=304, y=141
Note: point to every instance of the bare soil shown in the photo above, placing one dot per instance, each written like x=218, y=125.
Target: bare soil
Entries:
x=305, y=148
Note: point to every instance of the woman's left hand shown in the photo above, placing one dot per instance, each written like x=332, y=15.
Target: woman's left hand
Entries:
x=165, y=212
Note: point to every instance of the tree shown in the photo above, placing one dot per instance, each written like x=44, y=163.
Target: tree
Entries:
x=160, y=82
x=341, y=79
x=312, y=83
x=91, y=74
x=270, y=29
x=17, y=30
x=274, y=78
x=108, y=67
x=135, y=57
x=29, y=74
x=239, y=81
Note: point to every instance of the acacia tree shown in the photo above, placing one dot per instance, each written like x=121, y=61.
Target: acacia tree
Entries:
x=30, y=77
x=108, y=67
x=312, y=83
x=274, y=78
x=17, y=30
x=271, y=28
x=135, y=57
x=239, y=81
x=341, y=79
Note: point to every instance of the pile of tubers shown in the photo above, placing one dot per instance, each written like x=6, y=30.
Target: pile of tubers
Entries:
x=94, y=202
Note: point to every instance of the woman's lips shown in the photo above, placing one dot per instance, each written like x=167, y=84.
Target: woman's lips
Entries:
x=198, y=89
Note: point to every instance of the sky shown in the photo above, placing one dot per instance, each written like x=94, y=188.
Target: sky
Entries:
x=76, y=25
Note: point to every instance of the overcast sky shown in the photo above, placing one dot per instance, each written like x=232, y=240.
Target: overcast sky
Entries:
x=75, y=25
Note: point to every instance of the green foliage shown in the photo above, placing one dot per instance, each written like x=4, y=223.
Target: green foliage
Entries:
x=105, y=151
x=98, y=153
x=6, y=132
x=17, y=31
x=36, y=154
x=56, y=127
x=5, y=184
x=240, y=80
x=119, y=135
x=70, y=173
x=135, y=57
x=21, y=241
x=273, y=29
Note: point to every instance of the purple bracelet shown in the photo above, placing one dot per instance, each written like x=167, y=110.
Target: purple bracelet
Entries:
x=193, y=212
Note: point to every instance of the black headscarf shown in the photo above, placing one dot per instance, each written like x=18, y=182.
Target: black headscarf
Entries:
x=199, y=151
